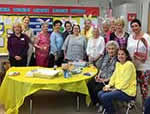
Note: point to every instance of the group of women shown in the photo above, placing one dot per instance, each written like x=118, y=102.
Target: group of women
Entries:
x=123, y=59
x=124, y=63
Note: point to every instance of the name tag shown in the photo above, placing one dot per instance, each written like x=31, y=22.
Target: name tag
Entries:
x=22, y=39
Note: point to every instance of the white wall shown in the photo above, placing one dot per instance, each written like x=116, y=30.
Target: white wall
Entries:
x=141, y=7
x=145, y=9
x=124, y=9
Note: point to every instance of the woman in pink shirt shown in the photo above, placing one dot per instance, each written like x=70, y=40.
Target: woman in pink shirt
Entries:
x=42, y=45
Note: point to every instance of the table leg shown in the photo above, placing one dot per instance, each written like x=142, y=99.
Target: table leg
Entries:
x=78, y=102
x=31, y=105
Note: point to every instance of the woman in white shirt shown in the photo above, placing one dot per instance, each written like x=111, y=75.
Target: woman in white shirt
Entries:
x=29, y=32
x=139, y=42
x=96, y=46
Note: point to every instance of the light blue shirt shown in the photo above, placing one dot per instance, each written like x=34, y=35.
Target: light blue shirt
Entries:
x=56, y=42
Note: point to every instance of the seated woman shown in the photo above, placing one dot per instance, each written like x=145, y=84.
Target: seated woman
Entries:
x=106, y=64
x=123, y=81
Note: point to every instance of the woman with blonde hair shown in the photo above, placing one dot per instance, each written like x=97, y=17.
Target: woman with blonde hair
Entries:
x=18, y=46
x=29, y=32
x=112, y=25
x=87, y=30
x=119, y=35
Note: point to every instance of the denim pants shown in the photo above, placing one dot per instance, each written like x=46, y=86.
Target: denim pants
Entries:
x=147, y=106
x=94, y=87
x=108, y=97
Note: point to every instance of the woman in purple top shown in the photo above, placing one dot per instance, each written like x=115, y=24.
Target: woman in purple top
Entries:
x=18, y=46
x=42, y=46
x=119, y=35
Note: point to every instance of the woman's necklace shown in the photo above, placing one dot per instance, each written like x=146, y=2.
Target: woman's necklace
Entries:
x=119, y=34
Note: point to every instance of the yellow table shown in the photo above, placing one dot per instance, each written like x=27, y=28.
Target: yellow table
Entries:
x=14, y=89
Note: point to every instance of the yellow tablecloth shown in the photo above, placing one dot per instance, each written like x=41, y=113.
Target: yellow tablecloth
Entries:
x=14, y=89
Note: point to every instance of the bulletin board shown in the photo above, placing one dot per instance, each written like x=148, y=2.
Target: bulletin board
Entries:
x=10, y=14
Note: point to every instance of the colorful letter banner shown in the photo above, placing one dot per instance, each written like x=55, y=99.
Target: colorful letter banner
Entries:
x=48, y=10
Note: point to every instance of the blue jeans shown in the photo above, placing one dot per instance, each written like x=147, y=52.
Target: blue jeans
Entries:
x=147, y=106
x=108, y=97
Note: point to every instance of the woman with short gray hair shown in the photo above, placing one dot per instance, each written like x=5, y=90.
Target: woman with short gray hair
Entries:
x=106, y=65
x=114, y=43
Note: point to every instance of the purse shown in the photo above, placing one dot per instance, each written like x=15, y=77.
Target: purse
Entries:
x=142, y=56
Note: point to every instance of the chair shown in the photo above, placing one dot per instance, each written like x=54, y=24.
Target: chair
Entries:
x=128, y=105
x=131, y=105
x=4, y=67
x=31, y=105
x=78, y=102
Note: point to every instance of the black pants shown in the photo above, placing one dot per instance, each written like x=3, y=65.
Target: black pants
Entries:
x=53, y=62
x=14, y=62
x=32, y=61
x=94, y=87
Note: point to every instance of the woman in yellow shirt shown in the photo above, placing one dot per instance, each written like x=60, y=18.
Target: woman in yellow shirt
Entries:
x=123, y=81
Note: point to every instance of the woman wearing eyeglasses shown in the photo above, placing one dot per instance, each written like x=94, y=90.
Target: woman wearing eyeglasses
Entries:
x=75, y=45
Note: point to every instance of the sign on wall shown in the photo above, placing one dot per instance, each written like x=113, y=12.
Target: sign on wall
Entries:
x=35, y=24
x=10, y=14
x=131, y=16
x=8, y=21
x=48, y=10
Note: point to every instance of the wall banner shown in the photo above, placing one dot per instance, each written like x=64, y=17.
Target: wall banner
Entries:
x=48, y=10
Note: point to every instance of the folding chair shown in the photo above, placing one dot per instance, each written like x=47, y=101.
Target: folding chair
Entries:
x=130, y=105
x=31, y=105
